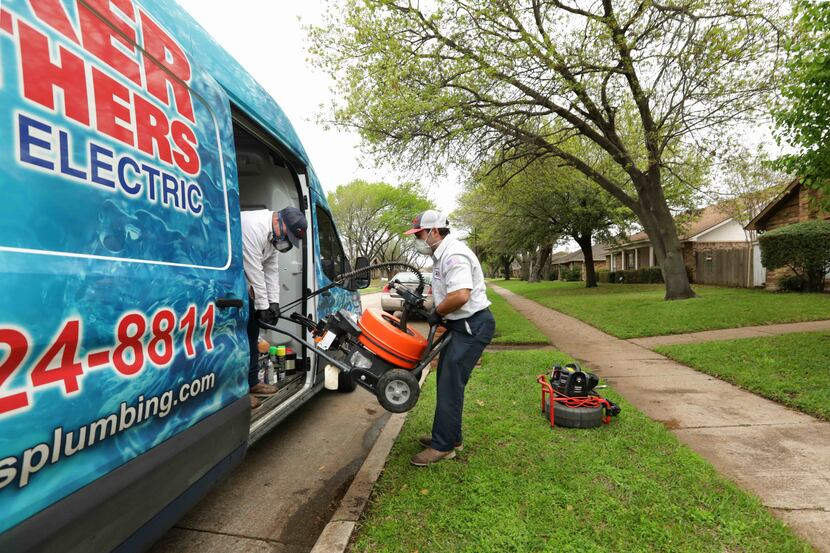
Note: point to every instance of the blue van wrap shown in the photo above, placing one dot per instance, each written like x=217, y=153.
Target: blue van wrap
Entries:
x=119, y=231
x=247, y=95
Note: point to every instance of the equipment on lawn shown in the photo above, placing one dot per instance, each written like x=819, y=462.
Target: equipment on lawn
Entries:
x=378, y=352
x=569, y=397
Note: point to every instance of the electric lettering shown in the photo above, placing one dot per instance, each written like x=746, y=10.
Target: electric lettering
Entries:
x=113, y=70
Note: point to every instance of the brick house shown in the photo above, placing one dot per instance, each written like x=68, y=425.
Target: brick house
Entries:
x=716, y=249
x=794, y=204
x=576, y=260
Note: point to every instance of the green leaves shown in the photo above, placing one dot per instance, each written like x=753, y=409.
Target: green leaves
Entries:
x=373, y=216
x=803, y=247
x=644, y=84
x=802, y=115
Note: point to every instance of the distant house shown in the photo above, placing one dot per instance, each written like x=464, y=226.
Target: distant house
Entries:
x=556, y=263
x=794, y=204
x=563, y=261
x=716, y=249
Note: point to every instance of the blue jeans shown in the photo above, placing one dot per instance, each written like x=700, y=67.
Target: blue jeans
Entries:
x=455, y=365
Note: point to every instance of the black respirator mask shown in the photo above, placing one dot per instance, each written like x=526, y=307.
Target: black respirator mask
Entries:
x=280, y=242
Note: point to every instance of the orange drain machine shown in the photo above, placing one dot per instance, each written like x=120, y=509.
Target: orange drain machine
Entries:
x=378, y=351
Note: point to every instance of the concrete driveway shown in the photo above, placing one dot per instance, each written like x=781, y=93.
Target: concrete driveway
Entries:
x=289, y=485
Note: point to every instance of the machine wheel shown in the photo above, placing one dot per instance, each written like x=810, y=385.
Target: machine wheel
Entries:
x=397, y=390
x=576, y=417
x=345, y=383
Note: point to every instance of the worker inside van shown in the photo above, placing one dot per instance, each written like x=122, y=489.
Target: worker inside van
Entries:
x=265, y=234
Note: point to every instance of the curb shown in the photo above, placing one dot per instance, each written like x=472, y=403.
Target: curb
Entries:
x=337, y=533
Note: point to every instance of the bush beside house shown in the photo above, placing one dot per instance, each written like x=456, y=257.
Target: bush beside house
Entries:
x=646, y=275
x=803, y=248
x=795, y=204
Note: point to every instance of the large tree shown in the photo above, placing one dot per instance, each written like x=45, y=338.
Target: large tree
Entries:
x=803, y=111
x=454, y=80
x=501, y=230
x=372, y=216
x=553, y=201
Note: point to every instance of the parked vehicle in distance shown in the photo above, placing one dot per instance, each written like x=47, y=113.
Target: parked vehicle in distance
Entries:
x=390, y=301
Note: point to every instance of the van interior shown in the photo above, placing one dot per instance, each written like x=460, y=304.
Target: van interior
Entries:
x=267, y=180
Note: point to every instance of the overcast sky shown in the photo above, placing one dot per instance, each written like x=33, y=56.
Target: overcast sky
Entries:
x=268, y=39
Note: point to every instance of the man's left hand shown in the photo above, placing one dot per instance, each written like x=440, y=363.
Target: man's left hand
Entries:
x=274, y=308
x=434, y=317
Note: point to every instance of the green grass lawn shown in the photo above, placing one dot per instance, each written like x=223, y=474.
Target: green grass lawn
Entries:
x=633, y=310
x=511, y=326
x=519, y=486
x=791, y=369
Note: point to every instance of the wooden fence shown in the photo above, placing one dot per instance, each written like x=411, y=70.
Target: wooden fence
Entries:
x=724, y=267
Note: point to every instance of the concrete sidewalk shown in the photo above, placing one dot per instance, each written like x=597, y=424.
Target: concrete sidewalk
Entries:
x=780, y=455
x=652, y=342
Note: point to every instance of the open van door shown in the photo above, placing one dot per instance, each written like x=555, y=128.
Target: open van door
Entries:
x=123, y=351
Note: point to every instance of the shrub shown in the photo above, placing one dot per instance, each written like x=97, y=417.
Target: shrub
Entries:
x=803, y=247
x=791, y=283
x=604, y=275
x=645, y=275
x=572, y=275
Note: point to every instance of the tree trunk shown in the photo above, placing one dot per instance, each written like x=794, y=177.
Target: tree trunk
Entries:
x=546, y=270
x=815, y=280
x=525, y=261
x=507, y=269
x=541, y=259
x=588, y=255
x=659, y=225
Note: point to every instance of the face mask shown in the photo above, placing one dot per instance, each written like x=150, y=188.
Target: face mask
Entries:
x=283, y=246
x=423, y=247
x=280, y=243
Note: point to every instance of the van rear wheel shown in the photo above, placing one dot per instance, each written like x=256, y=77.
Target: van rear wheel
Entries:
x=397, y=390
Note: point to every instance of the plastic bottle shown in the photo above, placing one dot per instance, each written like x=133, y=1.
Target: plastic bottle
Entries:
x=273, y=362
x=290, y=359
x=263, y=347
x=280, y=362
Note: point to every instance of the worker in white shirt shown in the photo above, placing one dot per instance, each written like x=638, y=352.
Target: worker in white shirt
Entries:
x=461, y=303
x=265, y=234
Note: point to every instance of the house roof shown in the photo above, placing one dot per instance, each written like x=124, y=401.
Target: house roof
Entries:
x=690, y=223
x=598, y=250
x=772, y=207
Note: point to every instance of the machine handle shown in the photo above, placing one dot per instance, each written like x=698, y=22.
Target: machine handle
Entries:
x=224, y=303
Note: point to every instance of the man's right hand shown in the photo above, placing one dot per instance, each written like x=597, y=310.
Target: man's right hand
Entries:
x=266, y=316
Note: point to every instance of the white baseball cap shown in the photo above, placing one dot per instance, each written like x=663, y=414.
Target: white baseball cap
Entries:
x=429, y=219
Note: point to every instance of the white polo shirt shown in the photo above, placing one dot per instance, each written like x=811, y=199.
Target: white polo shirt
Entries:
x=260, y=259
x=456, y=267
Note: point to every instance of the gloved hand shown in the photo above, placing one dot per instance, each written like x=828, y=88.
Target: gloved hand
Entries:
x=266, y=316
x=434, y=317
x=275, y=310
